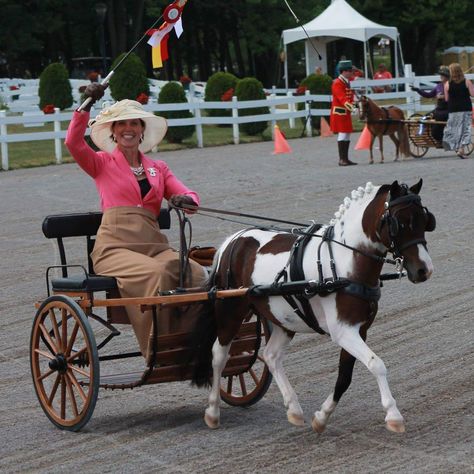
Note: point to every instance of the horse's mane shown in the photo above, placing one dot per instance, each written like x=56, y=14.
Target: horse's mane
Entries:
x=356, y=195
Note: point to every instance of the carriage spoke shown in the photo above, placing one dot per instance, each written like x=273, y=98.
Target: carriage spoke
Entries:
x=80, y=371
x=76, y=384
x=54, y=390
x=71, y=396
x=46, y=335
x=63, y=397
x=261, y=359
x=229, y=384
x=242, y=384
x=77, y=354
x=44, y=354
x=72, y=340
x=254, y=376
x=64, y=329
x=55, y=328
x=46, y=374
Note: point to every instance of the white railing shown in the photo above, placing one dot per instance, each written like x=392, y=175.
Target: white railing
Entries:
x=198, y=119
x=281, y=107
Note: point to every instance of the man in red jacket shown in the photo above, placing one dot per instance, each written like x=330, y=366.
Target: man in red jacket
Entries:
x=341, y=107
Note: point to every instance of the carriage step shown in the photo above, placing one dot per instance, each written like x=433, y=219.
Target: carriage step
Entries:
x=120, y=380
x=236, y=364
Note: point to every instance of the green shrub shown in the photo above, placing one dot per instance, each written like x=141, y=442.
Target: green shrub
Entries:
x=317, y=84
x=130, y=79
x=173, y=93
x=250, y=88
x=54, y=87
x=216, y=86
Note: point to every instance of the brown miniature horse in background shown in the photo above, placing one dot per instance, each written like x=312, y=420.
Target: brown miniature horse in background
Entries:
x=384, y=121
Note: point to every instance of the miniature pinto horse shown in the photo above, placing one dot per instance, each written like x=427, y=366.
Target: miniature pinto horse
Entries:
x=373, y=222
x=384, y=121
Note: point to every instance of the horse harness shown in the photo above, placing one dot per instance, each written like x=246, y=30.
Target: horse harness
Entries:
x=295, y=265
x=359, y=290
x=387, y=120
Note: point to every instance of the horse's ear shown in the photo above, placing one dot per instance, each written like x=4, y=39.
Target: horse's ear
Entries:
x=394, y=187
x=415, y=189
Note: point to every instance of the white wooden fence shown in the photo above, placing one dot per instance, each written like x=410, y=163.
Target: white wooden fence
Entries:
x=282, y=104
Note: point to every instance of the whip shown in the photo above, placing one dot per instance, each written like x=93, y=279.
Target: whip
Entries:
x=179, y=4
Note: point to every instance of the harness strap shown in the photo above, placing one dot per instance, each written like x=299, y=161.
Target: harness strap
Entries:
x=359, y=290
x=328, y=238
x=297, y=273
x=307, y=315
x=387, y=117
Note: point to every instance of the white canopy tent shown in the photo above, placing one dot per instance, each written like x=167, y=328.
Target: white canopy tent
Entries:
x=339, y=20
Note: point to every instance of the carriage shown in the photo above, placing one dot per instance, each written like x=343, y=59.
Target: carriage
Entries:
x=236, y=344
x=420, y=133
x=67, y=360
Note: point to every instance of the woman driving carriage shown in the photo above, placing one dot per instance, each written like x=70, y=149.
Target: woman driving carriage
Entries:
x=129, y=244
x=440, y=112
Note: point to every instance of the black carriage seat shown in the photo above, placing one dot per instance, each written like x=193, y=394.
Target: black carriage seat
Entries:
x=86, y=225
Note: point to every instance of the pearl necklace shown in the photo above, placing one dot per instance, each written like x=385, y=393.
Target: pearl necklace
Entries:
x=137, y=171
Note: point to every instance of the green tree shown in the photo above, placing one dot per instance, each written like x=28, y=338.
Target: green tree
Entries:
x=216, y=86
x=130, y=80
x=317, y=84
x=173, y=93
x=250, y=88
x=424, y=27
x=54, y=87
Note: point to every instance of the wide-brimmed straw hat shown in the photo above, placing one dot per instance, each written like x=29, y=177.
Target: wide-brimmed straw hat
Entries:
x=155, y=127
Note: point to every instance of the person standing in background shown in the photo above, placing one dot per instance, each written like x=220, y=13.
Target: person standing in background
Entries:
x=382, y=73
x=341, y=107
x=458, y=92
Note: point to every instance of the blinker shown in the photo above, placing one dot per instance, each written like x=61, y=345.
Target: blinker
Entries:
x=430, y=221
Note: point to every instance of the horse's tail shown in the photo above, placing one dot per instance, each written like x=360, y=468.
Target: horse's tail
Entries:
x=404, y=143
x=202, y=339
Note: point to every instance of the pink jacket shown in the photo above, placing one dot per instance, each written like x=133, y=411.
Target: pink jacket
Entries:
x=115, y=182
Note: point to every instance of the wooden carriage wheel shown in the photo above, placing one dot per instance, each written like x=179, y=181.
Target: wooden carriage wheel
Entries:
x=416, y=149
x=64, y=363
x=249, y=387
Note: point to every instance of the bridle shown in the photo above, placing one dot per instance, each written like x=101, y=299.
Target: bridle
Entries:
x=363, y=104
x=394, y=226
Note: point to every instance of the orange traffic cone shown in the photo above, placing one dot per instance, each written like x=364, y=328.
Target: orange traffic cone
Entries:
x=281, y=145
x=365, y=140
x=325, y=129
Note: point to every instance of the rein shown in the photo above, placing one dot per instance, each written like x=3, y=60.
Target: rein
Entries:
x=398, y=262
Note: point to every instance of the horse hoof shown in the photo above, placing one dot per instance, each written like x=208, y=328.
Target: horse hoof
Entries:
x=396, y=426
x=371, y=162
x=317, y=426
x=295, y=419
x=211, y=422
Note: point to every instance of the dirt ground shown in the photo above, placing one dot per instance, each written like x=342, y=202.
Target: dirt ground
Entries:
x=424, y=333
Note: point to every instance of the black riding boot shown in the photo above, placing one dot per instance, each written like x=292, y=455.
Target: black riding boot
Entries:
x=344, y=153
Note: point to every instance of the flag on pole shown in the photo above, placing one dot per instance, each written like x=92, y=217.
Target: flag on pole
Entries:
x=159, y=37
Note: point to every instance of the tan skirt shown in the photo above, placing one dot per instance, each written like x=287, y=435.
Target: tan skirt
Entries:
x=131, y=248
